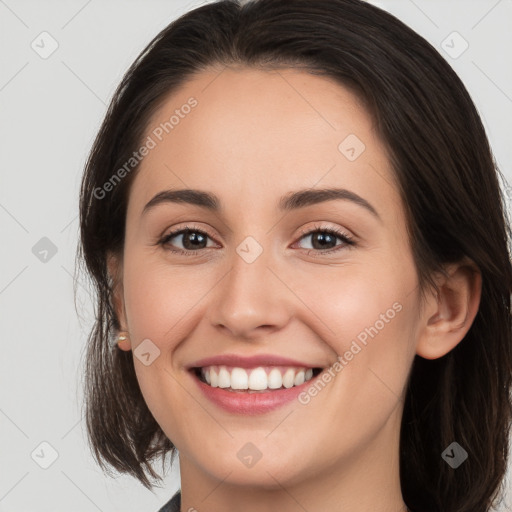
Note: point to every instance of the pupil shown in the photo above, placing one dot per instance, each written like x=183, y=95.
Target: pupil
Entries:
x=193, y=238
x=322, y=237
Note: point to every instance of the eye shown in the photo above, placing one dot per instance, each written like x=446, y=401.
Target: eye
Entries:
x=193, y=240
x=323, y=238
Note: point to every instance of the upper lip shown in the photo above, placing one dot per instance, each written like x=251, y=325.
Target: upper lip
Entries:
x=249, y=361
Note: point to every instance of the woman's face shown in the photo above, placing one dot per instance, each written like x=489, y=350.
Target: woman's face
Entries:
x=259, y=284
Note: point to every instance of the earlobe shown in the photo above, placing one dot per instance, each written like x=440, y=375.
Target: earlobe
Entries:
x=123, y=341
x=450, y=313
x=114, y=267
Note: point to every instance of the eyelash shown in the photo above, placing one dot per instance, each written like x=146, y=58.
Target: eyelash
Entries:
x=347, y=240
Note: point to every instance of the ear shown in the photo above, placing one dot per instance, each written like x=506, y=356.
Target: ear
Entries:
x=448, y=315
x=115, y=271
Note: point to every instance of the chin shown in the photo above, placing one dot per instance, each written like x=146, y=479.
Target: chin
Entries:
x=271, y=471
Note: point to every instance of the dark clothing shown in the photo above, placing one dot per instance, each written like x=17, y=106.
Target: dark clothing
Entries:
x=174, y=504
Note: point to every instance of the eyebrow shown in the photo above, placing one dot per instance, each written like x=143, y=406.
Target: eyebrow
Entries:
x=289, y=202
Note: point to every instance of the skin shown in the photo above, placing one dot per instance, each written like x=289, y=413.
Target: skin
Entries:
x=253, y=137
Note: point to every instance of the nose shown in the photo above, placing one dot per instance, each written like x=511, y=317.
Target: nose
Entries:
x=251, y=299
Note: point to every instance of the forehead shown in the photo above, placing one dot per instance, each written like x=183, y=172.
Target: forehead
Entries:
x=244, y=133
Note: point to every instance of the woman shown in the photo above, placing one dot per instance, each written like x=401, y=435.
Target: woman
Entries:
x=294, y=222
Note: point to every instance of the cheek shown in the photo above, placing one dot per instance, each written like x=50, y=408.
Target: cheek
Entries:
x=160, y=307
x=369, y=318
x=353, y=301
x=159, y=298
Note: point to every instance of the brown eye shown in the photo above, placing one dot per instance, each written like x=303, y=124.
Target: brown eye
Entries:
x=191, y=239
x=323, y=240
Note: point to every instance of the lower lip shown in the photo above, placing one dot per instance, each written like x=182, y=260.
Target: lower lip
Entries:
x=251, y=403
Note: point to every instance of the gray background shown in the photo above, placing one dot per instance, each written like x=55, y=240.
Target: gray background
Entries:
x=51, y=109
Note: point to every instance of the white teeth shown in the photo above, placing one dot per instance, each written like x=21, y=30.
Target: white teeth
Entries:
x=288, y=378
x=214, y=378
x=224, y=378
x=299, y=378
x=239, y=379
x=255, y=379
x=275, y=379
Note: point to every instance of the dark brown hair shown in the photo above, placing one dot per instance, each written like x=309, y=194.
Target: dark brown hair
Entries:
x=448, y=181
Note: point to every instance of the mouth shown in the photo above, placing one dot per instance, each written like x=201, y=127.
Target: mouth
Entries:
x=259, y=379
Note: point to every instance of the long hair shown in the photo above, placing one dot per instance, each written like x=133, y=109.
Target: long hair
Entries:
x=448, y=181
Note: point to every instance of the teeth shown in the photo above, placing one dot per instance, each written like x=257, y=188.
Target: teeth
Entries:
x=299, y=378
x=239, y=379
x=224, y=378
x=288, y=378
x=256, y=379
x=275, y=379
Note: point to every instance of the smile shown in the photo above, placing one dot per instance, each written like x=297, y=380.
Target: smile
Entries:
x=252, y=391
x=259, y=379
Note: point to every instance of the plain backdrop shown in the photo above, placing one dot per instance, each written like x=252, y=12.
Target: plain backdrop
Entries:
x=51, y=108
